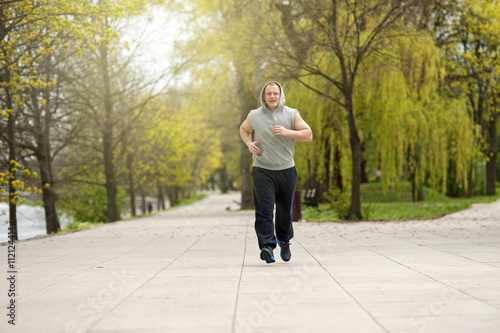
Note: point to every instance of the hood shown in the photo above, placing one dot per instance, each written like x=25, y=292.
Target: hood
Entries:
x=282, y=97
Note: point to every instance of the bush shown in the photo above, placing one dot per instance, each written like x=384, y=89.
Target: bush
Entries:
x=367, y=211
x=80, y=225
x=88, y=203
x=339, y=201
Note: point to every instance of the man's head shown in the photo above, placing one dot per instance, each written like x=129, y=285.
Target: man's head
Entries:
x=272, y=94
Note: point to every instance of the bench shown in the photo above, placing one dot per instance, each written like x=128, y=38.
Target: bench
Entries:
x=310, y=198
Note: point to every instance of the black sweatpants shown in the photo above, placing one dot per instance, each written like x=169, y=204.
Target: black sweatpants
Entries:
x=272, y=187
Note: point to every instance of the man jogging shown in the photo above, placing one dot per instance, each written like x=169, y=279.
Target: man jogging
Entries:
x=274, y=175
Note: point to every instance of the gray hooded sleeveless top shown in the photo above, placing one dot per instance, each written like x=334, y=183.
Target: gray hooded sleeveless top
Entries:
x=276, y=152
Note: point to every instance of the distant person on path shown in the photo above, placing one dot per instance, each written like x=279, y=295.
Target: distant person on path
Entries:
x=274, y=175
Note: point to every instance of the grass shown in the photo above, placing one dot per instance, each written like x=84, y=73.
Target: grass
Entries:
x=80, y=225
x=396, y=204
x=33, y=203
x=400, y=192
x=83, y=225
x=191, y=200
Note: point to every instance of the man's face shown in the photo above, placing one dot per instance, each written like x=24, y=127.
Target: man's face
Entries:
x=272, y=96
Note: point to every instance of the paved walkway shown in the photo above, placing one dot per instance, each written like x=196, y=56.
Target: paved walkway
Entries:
x=197, y=269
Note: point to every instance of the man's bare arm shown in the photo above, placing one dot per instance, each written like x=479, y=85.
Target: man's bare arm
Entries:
x=246, y=135
x=302, y=131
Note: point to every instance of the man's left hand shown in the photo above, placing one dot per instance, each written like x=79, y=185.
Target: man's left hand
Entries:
x=280, y=130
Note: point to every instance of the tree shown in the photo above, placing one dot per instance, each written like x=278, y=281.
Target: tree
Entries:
x=409, y=129
x=31, y=31
x=331, y=39
x=474, y=68
x=415, y=130
x=36, y=124
x=324, y=162
x=230, y=31
x=112, y=91
x=178, y=150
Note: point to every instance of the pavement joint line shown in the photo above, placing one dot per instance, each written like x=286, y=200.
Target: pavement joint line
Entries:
x=233, y=326
x=97, y=321
x=401, y=298
x=345, y=290
x=422, y=273
x=80, y=272
x=47, y=286
x=443, y=251
x=133, y=249
x=36, y=263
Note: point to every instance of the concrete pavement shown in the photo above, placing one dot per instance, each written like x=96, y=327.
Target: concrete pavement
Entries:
x=197, y=269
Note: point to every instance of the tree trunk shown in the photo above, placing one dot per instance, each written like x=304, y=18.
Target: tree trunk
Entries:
x=224, y=181
x=247, y=103
x=417, y=188
x=5, y=78
x=109, y=171
x=492, y=158
x=453, y=188
x=143, y=204
x=337, y=174
x=107, y=140
x=133, y=210
x=246, y=177
x=323, y=185
x=470, y=182
x=413, y=182
x=173, y=195
x=165, y=193
x=49, y=194
x=332, y=176
x=12, y=157
x=420, y=194
x=355, y=143
x=161, y=198
x=364, y=176
x=43, y=123
x=131, y=185
x=498, y=165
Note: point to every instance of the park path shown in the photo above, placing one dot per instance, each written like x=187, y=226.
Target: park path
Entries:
x=197, y=269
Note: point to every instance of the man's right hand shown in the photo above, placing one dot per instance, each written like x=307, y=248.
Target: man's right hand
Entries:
x=252, y=147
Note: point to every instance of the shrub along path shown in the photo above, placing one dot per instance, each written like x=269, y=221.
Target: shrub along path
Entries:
x=197, y=269
x=395, y=203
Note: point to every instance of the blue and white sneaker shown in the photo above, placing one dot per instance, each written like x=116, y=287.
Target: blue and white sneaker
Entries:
x=267, y=254
x=285, y=253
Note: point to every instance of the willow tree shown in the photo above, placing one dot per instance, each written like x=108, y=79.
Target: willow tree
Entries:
x=331, y=39
x=416, y=132
x=326, y=162
x=474, y=68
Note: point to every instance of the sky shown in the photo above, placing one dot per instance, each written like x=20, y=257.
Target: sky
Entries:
x=156, y=33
